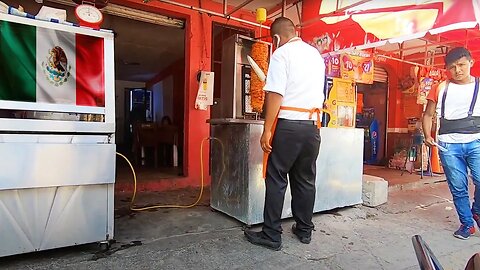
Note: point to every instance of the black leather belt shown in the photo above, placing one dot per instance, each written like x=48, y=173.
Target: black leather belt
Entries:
x=302, y=122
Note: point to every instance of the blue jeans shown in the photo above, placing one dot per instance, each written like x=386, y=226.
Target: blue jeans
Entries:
x=455, y=162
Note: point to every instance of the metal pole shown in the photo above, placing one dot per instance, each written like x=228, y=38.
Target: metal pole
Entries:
x=284, y=3
x=421, y=161
x=401, y=51
x=435, y=43
x=466, y=38
x=425, y=60
x=212, y=13
x=277, y=12
x=225, y=4
x=239, y=7
x=403, y=61
x=435, y=56
x=426, y=57
x=299, y=13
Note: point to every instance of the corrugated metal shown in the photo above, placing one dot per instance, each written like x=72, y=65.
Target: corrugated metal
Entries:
x=380, y=75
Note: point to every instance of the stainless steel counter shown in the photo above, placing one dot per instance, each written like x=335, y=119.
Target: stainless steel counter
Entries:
x=237, y=187
x=55, y=190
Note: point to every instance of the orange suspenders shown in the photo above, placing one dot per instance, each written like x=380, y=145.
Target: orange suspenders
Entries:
x=310, y=111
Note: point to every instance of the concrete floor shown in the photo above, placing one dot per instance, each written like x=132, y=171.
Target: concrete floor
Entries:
x=198, y=238
x=397, y=181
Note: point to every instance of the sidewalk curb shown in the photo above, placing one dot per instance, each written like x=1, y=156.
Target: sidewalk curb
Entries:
x=427, y=180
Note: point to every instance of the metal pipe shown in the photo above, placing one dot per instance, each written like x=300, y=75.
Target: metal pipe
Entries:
x=239, y=7
x=333, y=13
x=225, y=3
x=278, y=11
x=425, y=59
x=433, y=44
x=432, y=57
x=436, y=56
x=284, y=4
x=401, y=51
x=299, y=13
x=212, y=13
x=466, y=38
x=403, y=61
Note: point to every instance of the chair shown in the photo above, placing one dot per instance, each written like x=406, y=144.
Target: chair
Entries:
x=154, y=136
x=168, y=135
x=145, y=135
x=417, y=145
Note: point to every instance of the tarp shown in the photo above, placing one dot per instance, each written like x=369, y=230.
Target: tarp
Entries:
x=385, y=24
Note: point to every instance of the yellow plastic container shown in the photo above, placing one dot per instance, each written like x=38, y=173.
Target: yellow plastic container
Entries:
x=261, y=15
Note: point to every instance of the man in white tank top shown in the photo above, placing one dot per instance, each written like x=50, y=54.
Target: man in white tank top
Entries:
x=455, y=102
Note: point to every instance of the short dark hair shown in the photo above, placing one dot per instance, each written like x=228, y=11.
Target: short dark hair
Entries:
x=282, y=24
x=457, y=53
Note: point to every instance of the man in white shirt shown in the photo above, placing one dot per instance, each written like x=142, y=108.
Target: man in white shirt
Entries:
x=294, y=86
x=455, y=102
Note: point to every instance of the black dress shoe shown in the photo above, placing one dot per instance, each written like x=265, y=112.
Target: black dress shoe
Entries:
x=303, y=238
x=260, y=239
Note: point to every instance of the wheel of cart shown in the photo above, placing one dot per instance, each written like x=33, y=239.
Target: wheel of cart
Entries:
x=105, y=245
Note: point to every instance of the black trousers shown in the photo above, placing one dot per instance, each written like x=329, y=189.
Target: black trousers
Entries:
x=295, y=147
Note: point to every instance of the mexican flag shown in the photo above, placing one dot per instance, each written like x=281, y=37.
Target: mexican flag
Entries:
x=50, y=66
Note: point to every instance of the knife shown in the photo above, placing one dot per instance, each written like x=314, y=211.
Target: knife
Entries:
x=441, y=148
x=256, y=68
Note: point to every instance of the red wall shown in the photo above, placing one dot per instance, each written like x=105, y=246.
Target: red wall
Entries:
x=197, y=57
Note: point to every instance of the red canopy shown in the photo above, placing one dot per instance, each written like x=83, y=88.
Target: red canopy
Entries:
x=398, y=28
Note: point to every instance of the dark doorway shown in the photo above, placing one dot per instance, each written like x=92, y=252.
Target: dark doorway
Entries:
x=374, y=99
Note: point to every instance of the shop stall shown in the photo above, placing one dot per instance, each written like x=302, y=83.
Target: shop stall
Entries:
x=408, y=39
x=237, y=185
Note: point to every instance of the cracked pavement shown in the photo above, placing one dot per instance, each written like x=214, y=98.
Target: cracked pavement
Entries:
x=356, y=237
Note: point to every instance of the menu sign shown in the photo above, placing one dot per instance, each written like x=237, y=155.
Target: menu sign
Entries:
x=357, y=66
x=332, y=63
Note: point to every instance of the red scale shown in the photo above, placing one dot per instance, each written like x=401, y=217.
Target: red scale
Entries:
x=88, y=12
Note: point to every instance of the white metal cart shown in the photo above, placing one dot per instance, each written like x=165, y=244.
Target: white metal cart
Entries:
x=57, y=159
